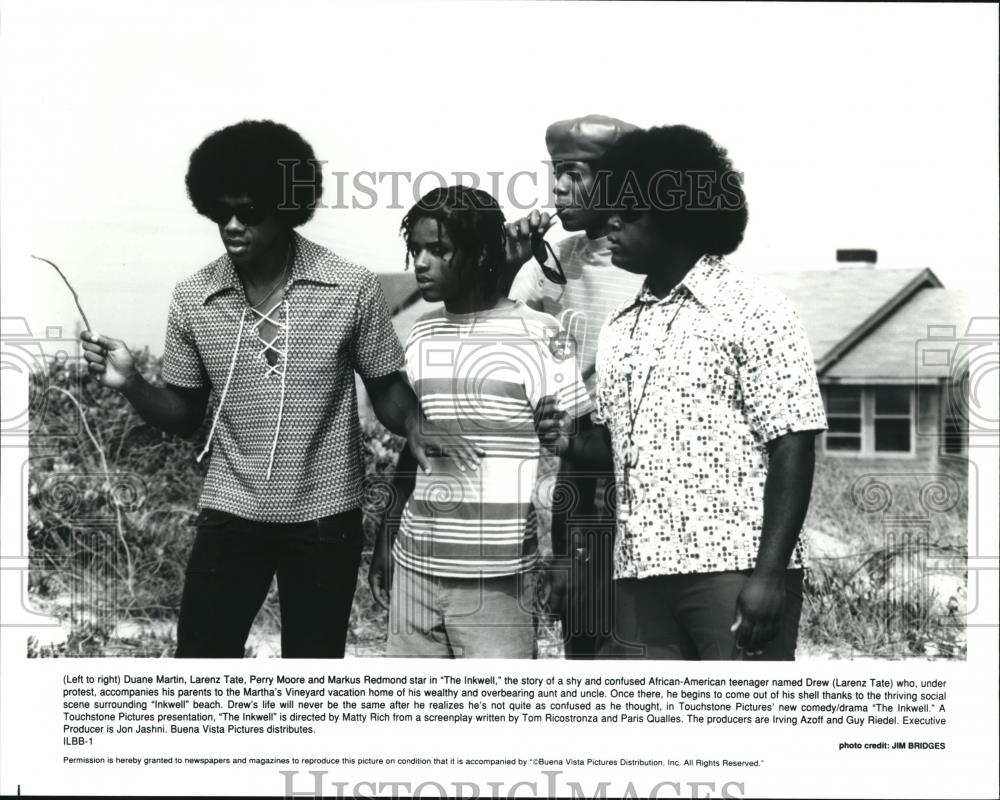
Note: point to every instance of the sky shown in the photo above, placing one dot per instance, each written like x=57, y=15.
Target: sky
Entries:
x=860, y=126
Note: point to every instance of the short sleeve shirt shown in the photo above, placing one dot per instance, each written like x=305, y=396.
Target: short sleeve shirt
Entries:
x=334, y=322
x=691, y=388
x=482, y=375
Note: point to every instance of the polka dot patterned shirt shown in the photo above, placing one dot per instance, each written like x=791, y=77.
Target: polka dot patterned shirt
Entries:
x=697, y=383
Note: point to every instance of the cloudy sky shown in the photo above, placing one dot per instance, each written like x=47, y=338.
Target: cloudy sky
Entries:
x=856, y=126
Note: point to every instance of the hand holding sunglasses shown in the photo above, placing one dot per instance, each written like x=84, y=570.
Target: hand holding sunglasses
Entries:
x=543, y=253
x=525, y=239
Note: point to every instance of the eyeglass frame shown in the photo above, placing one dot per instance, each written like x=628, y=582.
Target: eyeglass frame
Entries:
x=556, y=276
x=220, y=213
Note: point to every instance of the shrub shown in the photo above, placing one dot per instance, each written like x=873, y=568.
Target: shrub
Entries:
x=111, y=501
x=888, y=547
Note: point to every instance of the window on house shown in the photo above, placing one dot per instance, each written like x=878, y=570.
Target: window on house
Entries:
x=843, y=415
x=892, y=419
x=869, y=420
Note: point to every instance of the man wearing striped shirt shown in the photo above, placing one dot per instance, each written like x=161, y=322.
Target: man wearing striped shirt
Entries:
x=577, y=284
x=479, y=365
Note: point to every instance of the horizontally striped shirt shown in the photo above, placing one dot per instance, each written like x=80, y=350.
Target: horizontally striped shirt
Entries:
x=482, y=375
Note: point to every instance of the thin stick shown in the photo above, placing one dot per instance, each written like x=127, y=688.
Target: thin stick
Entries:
x=76, y=297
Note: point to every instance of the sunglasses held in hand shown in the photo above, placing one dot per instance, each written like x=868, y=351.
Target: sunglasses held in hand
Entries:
x=542, y=255
x=543, y=251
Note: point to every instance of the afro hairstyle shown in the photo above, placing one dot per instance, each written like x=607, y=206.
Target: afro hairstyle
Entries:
x=264, y=160
x=682, y=177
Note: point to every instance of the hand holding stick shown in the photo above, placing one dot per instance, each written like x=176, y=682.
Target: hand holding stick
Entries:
x=76, y=298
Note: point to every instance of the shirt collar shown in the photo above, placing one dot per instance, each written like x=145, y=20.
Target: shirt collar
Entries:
x=598, y=246
x=705, y=279
x=320, y=269
x=701, y=282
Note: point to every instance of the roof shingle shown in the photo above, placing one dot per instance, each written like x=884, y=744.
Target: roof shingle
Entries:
x=892, y=351
x=833, y=303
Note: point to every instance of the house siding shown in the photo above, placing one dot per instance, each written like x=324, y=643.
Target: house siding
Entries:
x=928, y=427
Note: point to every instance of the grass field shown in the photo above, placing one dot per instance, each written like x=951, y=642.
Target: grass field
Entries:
x=111, y=503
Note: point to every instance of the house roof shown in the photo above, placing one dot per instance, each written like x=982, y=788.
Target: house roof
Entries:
x=896, y=349
x=840, y=307
x=400, y=289
x=863, y=324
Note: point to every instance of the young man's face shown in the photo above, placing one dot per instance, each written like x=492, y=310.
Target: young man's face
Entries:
x=574, y=196
x=440, y=275
x=248, y=231
x=637, y=244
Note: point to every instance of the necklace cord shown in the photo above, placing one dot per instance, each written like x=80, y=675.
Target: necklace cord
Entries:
x=236, y=349
x=634, y=415
x=225, y=388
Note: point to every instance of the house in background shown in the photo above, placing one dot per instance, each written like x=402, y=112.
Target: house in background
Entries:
x=888, y=350
x=887, y=344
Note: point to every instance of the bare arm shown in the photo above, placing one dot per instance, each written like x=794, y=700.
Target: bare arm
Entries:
x=396, y=407
x=786, y=501
x=380, y=572
x=173, y=409
x=394, y=403
x=792, y=458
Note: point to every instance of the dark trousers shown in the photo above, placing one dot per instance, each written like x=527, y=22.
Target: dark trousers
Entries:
x=229, y=574
x=583, y=540
x=688, y=616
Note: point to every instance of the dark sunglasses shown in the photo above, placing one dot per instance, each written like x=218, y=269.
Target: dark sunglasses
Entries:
x=542, y=255
x=245, y=213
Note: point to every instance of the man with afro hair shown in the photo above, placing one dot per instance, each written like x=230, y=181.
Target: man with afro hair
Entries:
x=707, y=391
x=272, y=333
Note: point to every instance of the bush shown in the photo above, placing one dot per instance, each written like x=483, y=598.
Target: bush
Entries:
x=111, y=502
x=888, y=547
